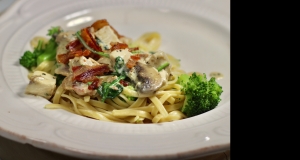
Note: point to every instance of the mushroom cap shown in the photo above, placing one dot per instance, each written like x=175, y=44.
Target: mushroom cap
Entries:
x=146, y=78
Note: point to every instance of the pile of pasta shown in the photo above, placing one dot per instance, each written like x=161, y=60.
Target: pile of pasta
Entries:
x=163, y=106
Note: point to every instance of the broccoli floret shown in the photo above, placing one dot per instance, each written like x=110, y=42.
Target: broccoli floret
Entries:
x=28, y=60
x=49, y=53
x=32, y=59
x=202, y=95
x=53, y=31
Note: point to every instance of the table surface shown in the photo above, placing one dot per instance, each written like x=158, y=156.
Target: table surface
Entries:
x=11, y=150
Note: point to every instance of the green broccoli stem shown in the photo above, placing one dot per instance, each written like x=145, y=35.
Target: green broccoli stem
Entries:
x=163, y=66
x=48, y=56
x=40, y=54
x=39, y=46
x=38, y=50
x=88, y=47
x=51, y=46
x=49, y=53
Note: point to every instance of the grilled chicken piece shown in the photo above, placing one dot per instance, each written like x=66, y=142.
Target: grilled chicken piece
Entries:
x=83, y=70
x=82, y=61
x=105, y=36
x=63, y=39
x=62, y=69
x=79, y=87
x=41, y=84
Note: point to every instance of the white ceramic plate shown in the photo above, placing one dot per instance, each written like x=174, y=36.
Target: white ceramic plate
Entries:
x=197, y=32
x=4, y=4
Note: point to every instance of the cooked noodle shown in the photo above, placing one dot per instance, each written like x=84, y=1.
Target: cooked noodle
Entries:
x=163, y=106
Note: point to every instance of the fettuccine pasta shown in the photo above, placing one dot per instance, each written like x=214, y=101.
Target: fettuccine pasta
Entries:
x=109, y=77
x=163, y=106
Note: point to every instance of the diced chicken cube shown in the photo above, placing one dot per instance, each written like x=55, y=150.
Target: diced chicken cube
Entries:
x=63, y=39
x=62, y=69
x=83, y=89
x=82, y=61
x=123, y=53
x=41, y=84
x=106, y=35
x=105, y=60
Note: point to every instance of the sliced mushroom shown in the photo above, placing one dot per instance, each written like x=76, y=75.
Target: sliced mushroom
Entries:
x=146, y=78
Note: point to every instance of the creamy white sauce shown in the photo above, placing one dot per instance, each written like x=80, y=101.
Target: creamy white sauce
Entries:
x=123, y=53
x=63, y=39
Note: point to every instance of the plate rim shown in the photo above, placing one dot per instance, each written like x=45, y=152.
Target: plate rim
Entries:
x=37, y=143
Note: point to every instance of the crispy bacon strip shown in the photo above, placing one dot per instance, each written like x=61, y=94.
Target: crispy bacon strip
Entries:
x=88, y=73
x=76, y=49
x=124, y=83
x=133, y=49
x=95, y=84
x=117, y=45
x=89, y=40
x=132, y=61
x=74, y=45
x=64, y=58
